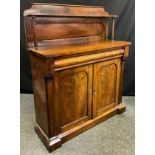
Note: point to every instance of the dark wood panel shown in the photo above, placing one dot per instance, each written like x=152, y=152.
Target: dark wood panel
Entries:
x=69, y=30
x=106, y=82
x=74, y=102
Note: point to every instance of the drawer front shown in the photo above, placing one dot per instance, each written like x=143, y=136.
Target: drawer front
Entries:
x=87, y=59
x=74, y=96
x=106, y=85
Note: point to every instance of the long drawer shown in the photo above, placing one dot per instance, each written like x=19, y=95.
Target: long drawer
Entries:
x=86, y=59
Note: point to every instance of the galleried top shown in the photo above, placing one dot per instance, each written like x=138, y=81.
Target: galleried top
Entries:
x=56, y=25
x=48, y=9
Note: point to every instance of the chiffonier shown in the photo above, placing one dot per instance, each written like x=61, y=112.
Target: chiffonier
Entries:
x=77, y=72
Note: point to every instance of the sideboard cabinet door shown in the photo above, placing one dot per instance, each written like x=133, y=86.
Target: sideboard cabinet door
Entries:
x=73, y=96
x=106, y=85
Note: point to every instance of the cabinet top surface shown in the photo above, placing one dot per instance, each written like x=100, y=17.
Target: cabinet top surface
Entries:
x=79, y=49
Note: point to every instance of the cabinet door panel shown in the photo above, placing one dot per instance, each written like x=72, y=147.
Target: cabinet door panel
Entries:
x=106, y=85
x=74, y=88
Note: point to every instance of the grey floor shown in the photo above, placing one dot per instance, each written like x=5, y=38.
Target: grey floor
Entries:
x=112, y=137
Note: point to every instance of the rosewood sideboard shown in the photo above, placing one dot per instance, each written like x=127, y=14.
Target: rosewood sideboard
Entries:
x=77, y=72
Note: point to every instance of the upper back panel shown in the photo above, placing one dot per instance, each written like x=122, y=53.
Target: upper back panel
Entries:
x=50, y=25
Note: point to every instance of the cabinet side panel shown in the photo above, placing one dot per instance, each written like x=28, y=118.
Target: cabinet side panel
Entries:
x=39, y=91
